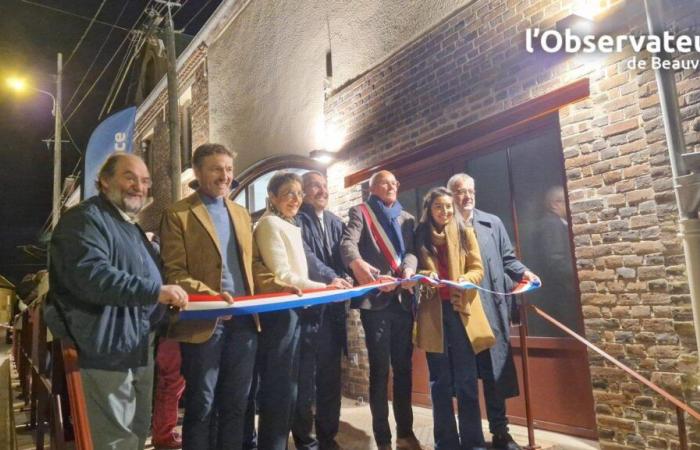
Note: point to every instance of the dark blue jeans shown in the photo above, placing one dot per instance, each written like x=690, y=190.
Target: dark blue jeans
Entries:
x=279, y=369
x=454, y=371
x=218, y=375
x=388, y=336
x=320, y=350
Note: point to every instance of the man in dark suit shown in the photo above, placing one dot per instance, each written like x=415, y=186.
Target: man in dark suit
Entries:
x=501, y=269
x=323, y=336
x=386, y=316
x=554, y=261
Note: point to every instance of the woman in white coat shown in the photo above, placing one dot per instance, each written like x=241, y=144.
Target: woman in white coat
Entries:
x=280, y=247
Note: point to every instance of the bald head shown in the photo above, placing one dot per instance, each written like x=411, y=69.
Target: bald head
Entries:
x=383, y=184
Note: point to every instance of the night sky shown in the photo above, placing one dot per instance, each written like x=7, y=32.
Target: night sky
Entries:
x=30, y=37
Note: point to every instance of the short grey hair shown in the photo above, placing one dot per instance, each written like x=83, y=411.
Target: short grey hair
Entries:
x=456, y=178
x=306, y=178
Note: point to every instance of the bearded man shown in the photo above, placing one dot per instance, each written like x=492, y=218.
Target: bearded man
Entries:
x=106, y=288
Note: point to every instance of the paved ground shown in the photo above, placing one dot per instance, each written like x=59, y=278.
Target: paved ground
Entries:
x=355, y=427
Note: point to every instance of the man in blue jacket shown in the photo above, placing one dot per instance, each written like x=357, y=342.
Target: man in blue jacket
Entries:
x=106, y=286
x=323, y=334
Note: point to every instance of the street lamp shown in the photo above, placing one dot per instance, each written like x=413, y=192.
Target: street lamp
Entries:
x=19, y=85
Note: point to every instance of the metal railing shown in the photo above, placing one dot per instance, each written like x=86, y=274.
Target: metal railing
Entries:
x=50, y=385
x=679, y=405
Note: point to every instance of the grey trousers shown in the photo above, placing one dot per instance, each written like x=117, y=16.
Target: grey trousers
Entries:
x=119, y=406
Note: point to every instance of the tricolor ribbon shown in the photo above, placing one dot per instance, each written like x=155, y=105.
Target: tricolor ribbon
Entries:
x=213, y=306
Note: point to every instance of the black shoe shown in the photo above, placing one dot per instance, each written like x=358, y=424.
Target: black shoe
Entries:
x=504, y=441
x=328, y=445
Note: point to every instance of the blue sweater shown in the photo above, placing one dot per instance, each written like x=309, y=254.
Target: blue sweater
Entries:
x=231, y=275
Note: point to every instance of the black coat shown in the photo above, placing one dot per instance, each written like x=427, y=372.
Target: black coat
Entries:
x=104, y=290
x=323, y=258
x=501, y=269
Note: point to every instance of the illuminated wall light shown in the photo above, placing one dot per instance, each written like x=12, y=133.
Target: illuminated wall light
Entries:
x=334, y=137
x=588, y=9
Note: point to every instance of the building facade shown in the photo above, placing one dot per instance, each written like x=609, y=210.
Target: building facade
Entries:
x=428, y=91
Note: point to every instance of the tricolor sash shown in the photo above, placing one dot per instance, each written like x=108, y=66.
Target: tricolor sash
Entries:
x=383, y=241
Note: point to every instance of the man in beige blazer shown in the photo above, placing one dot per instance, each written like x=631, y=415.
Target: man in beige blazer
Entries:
x=207, y=248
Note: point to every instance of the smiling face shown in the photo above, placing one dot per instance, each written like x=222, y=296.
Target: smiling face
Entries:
x=287, y=200
x=215, y=175
x=316, y=191
x=128, y=187
x=385, y=187
x=442, y=210
x=465, y=196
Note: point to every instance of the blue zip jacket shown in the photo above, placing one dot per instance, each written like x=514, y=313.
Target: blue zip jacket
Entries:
x=103, y=287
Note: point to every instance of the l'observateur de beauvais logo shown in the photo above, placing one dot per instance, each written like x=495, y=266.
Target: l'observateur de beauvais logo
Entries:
x=554, y=41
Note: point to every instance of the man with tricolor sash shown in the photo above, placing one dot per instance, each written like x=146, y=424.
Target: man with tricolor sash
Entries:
x=378, y=242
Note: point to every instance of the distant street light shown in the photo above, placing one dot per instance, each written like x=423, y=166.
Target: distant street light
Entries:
x=20, y=85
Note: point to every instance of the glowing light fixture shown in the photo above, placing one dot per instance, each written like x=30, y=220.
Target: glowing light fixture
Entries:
x=17, y=84
x=322, y=156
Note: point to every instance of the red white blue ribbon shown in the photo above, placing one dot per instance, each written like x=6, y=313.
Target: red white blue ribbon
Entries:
x=520, y=288
x=213, y=306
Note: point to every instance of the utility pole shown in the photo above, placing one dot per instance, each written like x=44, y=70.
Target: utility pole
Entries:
x=57, y=144
x=173, y=110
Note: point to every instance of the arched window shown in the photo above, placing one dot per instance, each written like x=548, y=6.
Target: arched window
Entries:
x=252, y=189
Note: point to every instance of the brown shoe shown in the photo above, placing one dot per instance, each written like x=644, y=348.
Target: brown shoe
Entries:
x=408, y=443
x=384, y=447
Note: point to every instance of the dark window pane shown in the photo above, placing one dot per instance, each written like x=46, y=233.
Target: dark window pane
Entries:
x=490, y=173
x=538, y=180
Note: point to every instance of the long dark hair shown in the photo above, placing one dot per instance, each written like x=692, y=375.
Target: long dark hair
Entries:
x=427, y=224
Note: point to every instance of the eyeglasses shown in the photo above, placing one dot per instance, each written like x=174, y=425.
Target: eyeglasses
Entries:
x=133, y=179
x=470, y=192
x=289, y=195
x=394, y=183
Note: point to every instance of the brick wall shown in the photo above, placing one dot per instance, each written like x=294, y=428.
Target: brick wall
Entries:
x=634, y=291
x=155, y=119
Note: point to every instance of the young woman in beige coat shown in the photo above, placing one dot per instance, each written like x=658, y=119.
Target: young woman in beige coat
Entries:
x=450, y=324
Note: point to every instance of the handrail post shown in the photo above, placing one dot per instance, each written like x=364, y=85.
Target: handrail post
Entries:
x=76, y=397
x=522, y=330
x=682, y=433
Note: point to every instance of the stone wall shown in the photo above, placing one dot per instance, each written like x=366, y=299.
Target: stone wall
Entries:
x=634, y=290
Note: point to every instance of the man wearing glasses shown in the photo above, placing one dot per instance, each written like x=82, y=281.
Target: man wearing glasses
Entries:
x=501, y=269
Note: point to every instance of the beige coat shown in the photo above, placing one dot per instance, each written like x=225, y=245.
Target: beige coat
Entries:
x=429, y=326
x=192, y=258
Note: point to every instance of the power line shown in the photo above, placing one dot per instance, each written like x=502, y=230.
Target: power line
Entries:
x=195, y=16
x=104, y=69
x=94, y=60
x=87, y=29
x=69, y=13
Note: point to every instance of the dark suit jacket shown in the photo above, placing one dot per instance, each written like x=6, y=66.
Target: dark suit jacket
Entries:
x=358, y=242
x=323, y=256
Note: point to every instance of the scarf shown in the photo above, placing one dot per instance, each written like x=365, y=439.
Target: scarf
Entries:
x=388, y=217
x=272, y=210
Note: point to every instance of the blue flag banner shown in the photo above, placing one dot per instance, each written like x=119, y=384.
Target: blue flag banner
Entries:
x=114, y=134
x=212, y=306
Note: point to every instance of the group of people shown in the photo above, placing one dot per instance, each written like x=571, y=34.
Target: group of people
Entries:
x=111, y=291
